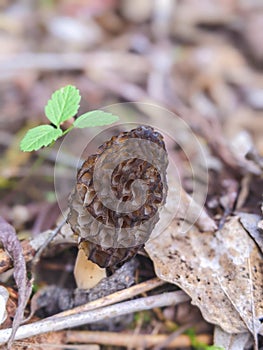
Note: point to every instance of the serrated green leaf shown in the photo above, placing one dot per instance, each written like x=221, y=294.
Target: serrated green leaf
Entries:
x=38, y=137
x=64, y=103
x=95, y=118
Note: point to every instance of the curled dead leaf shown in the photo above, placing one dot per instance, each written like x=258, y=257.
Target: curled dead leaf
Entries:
x=13, y=247
x=222, y=272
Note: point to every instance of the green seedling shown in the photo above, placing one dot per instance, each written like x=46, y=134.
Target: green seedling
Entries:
x=63, y=105
x=199, y=345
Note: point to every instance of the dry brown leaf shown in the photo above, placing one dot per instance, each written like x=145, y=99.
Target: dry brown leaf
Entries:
x=241, y=341
x=13, y=247
x=250, y=223
x=179, y=204
x=218, y=270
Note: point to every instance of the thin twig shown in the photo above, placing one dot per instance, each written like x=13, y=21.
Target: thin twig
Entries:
x=133, y=340
x=113, y=298
x=46, y=243
x=83, y=339
x=97, y=315
x=169, y=339
x=38, y=254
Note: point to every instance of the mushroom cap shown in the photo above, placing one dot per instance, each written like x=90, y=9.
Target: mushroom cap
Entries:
x=119, y=190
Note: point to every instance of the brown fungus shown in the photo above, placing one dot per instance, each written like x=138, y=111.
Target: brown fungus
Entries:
x=119, y=190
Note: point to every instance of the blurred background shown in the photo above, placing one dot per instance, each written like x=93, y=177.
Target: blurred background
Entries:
x=201, y=59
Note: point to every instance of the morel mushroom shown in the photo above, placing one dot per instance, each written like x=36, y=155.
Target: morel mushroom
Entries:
x=119, y=190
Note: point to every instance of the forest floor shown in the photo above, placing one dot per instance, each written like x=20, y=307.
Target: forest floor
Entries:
x=192, y=70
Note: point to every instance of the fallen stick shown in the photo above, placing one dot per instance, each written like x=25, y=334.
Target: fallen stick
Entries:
x=92, y=316
x=133, y=340
x=113, y=298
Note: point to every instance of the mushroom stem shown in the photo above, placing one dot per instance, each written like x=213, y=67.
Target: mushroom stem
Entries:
x=87, y=274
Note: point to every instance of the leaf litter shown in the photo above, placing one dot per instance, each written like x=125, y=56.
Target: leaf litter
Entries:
x=13, y=247
x=222, y=272
x=205, y=64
